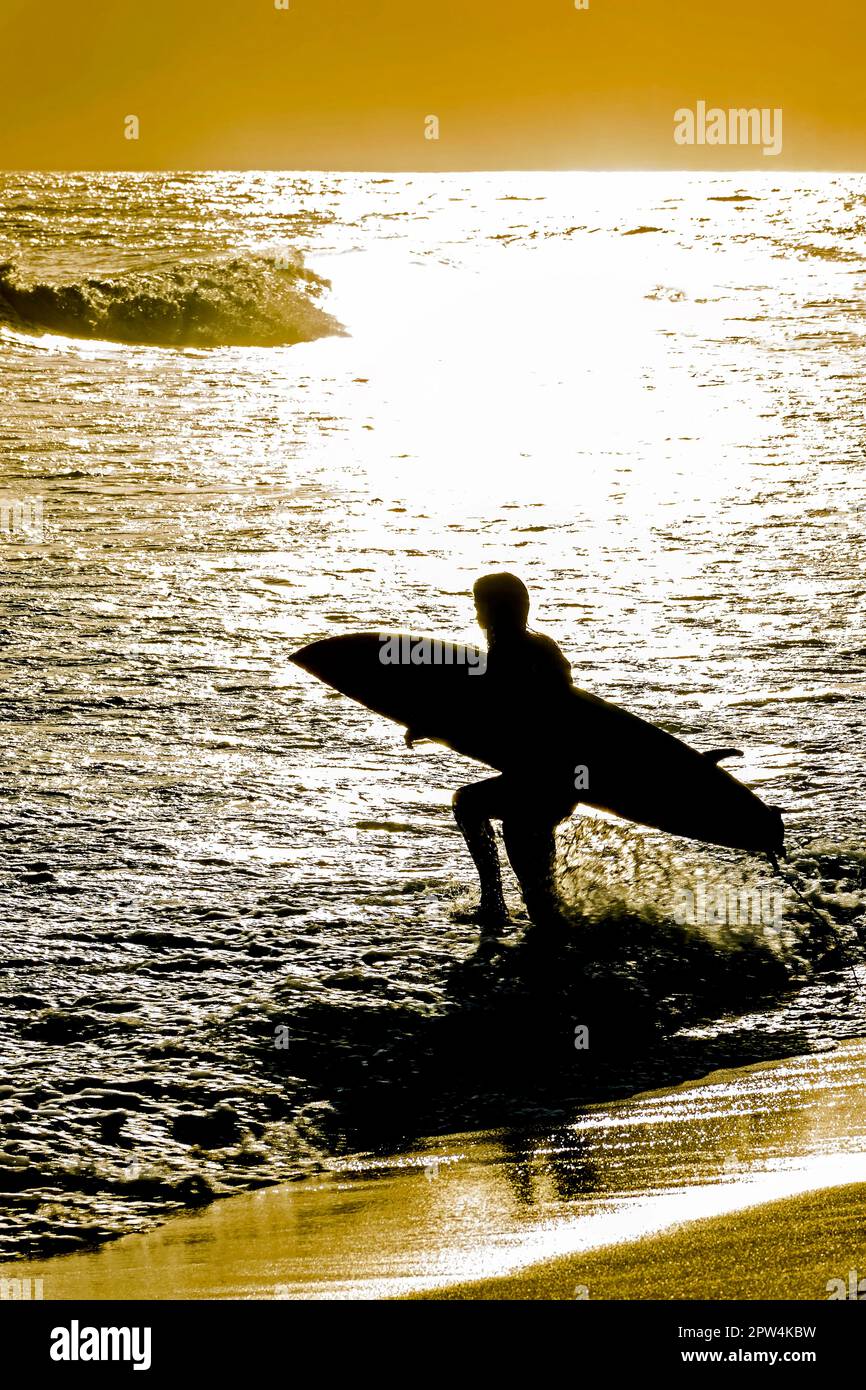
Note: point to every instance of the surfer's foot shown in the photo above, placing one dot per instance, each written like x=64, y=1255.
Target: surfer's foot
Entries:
x=491, y=915
x=546, y=918
x=551, y=929
x=493, y=925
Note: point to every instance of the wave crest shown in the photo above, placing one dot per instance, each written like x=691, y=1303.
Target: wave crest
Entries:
x=244, y=301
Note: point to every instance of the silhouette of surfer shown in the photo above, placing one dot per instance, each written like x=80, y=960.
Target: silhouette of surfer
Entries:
x=533, y=794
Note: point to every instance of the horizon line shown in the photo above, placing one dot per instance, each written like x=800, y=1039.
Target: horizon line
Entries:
x=433, y=173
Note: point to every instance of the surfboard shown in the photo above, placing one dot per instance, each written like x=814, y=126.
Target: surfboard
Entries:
x=440, y=690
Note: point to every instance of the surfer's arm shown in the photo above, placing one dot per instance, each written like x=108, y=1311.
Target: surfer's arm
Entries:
x=413, y=736
x=550, y=667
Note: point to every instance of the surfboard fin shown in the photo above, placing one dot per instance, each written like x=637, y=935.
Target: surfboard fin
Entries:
x=716, y=755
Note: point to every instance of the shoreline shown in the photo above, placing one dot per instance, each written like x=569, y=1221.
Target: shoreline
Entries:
x=726, y=1176
x=745, y=1255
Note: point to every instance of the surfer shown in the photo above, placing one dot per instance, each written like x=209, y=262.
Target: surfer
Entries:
x=514, y=707
x=532, y=796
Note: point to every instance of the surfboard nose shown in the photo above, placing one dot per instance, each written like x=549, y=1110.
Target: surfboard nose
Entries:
x=301, y=656
x=332, y=659
x=314, y=657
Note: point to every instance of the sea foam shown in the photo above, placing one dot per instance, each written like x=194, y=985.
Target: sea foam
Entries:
x=250, y=300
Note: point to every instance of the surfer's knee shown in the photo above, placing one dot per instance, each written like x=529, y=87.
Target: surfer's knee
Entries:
x=462, y=804
x=476, y=802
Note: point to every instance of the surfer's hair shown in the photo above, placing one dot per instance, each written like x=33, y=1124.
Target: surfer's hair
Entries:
x=503, y=594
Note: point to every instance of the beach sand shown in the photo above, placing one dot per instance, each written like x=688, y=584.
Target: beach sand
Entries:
x=745, y=1184
x=783, y=1250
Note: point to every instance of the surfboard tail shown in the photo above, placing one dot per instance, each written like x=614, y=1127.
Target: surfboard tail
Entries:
x=766, y=831
x=776, y=826
x=761, y=829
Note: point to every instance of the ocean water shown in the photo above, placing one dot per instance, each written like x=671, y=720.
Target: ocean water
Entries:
x=259, y=409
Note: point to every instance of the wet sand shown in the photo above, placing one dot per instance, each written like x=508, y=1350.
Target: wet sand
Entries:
x=784, y=1250
x=748, y=1183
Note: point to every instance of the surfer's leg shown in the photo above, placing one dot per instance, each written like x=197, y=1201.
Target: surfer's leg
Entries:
x=534, y=809
x=474, y=808
x=530, y=841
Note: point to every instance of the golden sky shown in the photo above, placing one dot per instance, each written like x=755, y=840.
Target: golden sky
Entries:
x=347, y=84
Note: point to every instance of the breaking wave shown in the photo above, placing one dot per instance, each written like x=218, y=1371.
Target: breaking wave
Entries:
x=250, y=301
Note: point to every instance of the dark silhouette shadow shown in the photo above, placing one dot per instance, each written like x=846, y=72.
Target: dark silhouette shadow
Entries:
x=532, y=681
x=504, y=1049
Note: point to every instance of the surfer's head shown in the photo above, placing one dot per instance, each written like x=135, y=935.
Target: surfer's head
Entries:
x=501, y=602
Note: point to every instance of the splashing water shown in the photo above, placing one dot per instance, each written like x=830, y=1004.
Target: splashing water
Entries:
x=258, y=300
